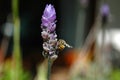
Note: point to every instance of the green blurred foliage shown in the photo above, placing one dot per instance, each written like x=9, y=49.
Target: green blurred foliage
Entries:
x=115, y=75
x=8, y=72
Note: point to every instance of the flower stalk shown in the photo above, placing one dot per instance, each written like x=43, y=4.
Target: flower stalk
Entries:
x=51, y=45
x=49, y=68
x=49, y=36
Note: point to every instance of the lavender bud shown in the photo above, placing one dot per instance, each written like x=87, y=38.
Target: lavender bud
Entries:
x=46, y=46
x=53, y=42
x=52, y=27
x=49, y=15
x=53, y=36
x=44, y=34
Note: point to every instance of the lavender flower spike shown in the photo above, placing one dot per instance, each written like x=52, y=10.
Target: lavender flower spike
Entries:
x=51, y=45
x=48, y=32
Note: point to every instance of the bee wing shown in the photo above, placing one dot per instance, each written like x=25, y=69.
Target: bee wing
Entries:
x=67, y=45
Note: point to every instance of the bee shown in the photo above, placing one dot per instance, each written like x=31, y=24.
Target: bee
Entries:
x=62, y=44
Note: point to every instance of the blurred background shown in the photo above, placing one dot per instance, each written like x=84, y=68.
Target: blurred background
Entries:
x=96, y=48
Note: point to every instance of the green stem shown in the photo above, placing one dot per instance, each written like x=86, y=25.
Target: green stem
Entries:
x=49, y=68
x=16, y=32
x=16, y=40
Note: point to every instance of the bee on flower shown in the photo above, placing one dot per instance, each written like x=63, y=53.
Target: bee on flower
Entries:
x=62, y=44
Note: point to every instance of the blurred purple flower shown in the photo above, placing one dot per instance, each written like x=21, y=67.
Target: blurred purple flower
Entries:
x=105, y=10
x=105, y=13
x=49, y=16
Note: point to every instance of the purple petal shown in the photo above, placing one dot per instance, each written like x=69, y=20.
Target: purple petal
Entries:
x=49, y=15
x=44, y=34
x=45, y=22
x=53, y=36
x=52, y=27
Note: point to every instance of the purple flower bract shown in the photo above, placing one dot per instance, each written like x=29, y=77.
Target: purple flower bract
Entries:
x=49, y=16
